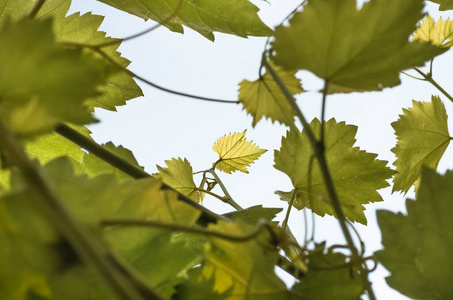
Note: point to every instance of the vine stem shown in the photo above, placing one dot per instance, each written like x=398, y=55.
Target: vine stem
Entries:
x=84, y=243
x=319, y=151
x=229, y=199
x=429, y=78
x=36, y=8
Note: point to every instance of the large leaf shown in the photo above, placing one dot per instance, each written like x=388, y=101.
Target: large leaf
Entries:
x=236, y=153
x=41, y=82
x=263, y=98
x=422, y=133
x=237, y=17
x=355, y=50
x=179, y=175
x=356, y=174
x=439, y=34
x=233, y=270
x=418, y=246
x=14, y=10
x=329, y=277
x=444, y=4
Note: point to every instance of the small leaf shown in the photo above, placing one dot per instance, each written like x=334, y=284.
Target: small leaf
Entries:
x=179, y=175
x=252, y=214
x=263, y=98
x=356, y=174
x=417, y=246
x=354, y=50
x=235, y=153
x=444, y=4
x=237, y=17
x=439, y=34
x=329, y=277
x=422, y=134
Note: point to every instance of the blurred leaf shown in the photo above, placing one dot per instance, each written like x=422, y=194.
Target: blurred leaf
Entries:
x=444, y=4
x=439, y=34
x=238, y=17
x=354, y=50
x=179, y=175
x=17, y=9
x=422, y=134
x=233, y=270
x=417, y=246
x=236, y=153
x=356, y=174
x=329, y=277
x=252, y=214
x=263, y=98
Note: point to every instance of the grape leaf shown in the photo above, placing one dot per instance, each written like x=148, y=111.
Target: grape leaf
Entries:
x=236, y=153
x=354, y=50
x=356, y=174
x=42, y=80
x=233, y=270
x=237, y=17
x=263, y=98
x=252, y=214
x=439, y=34
x=14, y=10
x=422, y=134
x=444, y=4
x=179, y=175
x=336, y=282
x=417, y=246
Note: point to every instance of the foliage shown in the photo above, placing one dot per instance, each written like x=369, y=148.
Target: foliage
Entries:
x=79, y=220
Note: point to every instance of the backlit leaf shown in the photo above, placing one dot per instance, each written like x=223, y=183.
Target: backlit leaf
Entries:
x=417, y=246
x=235, y=271
x=329, y=277
x=422, y=133
x=179, y=175
x=444, y=4
x=236, y=153
x=263, y=98
x=439, y=34
x=354, y=50
x=237, y=17
x=14, y=10
x=356, y=174
x=252, y=214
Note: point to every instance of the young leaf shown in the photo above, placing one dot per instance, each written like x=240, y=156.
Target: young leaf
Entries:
x=444, y=4
x=43, y=79
x=356, y=174
x=263, y=98
x=179, y=175
x=233, y=270
x=252, y=214
x=439, y=34
x=235, y=153
x=417, y=246
x=329, y=277
x=422, y=133
x=237, y=17
x=355, y=50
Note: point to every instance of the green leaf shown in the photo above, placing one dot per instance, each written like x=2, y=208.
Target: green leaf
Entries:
x=263, y=98
x=93, y=165
x=422, y=133
x=354, y=50
x=417, y=246
x=237, y=17
x=329, y=277
x=41, y=82
x=252, y=214
x=83, y=29
x=179, y=175
x=444, y=4
x=356, y=174
x=233, y=270
x=439, y=34
x=17, y=9
x=236, y=153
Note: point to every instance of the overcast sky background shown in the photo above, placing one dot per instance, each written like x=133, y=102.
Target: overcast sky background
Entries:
x=160, y=126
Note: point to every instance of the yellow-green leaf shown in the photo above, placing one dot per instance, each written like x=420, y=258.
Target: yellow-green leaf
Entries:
x=422, y=134
x=355, y=50
x=356, y=174
x=179, y=175
x=263, y=98
x=439, y=34
x=418, y=245
x=237, y=17
x=236, y=153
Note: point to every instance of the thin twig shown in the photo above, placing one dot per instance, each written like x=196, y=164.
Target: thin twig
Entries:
x=225, y=191
x=36, y=8
x=430, y=79
x=290, y=205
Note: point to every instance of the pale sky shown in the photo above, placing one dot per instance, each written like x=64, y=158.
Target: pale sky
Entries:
x=160, y=126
